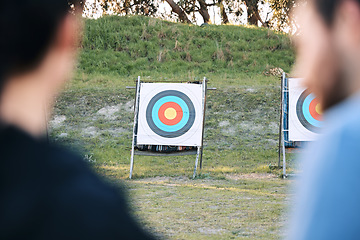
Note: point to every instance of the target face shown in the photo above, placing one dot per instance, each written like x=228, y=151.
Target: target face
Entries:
x=309, y=112
x=305, y=115
x=170, y=114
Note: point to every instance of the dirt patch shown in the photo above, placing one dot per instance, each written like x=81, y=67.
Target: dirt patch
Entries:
x=62, y=135
x=250, y=126
x=224, y=123
x=252, y=176
x=232, y=130
x=251, y=90
x=57, y=121
x=129, y=106
x=90, y=132
x=165, y=179
x=109, y=111
x=210, y=231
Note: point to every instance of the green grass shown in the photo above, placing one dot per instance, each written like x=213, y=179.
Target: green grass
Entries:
x=230, y=198
x=211, y=209
x=241, y=132
x=126, y=47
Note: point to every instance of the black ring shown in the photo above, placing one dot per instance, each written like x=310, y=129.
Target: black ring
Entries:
x=300, y=113
x=179, y=132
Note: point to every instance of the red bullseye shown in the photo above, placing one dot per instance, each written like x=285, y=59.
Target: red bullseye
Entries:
x=313, y=109
x=168, y=120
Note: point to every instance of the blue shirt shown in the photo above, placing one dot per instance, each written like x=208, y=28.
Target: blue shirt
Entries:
x=327, y=202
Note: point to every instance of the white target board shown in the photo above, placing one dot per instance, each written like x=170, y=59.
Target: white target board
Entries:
x=305, y=116
x=170, y=114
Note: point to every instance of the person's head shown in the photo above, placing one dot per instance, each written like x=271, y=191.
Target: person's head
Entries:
x=31, y=30
x=38, y=46
x=328, y=48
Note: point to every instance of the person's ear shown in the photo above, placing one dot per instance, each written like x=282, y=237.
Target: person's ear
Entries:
x=346, y=24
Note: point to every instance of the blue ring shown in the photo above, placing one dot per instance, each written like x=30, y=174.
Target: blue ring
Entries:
x=188, y=108
x=306, y=111
x=168, y=128
x=303, y=112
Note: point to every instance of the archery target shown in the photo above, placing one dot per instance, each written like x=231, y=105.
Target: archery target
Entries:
x=170, y=114
x=305, y=115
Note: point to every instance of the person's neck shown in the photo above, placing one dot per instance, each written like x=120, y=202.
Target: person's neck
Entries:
x=25, y=103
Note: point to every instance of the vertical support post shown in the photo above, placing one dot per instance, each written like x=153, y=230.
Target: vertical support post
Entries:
x=196, y=161
x=136, y=111
x=204, y=85
x=282, y=128
x=284, y=158
x=281, y=118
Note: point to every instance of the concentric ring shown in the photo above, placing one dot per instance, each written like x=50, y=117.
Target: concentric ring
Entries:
x=308, y=113
x=170, y=107
x=163, y=126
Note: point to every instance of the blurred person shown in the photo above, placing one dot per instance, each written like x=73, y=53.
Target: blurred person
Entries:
x=327, y=203
x=47, y=192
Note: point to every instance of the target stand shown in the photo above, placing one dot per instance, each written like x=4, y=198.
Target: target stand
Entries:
x=300, y=118
x=169, y=120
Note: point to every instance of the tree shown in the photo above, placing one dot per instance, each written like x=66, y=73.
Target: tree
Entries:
x=179, y=11
x=281, y=13
x=224, y=16
x=234, y=8
x=279, y=16
x=203, y=10
x=123, y=7
x=193, y=6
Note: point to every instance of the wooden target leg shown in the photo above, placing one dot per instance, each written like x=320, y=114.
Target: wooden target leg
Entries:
x=196, y=162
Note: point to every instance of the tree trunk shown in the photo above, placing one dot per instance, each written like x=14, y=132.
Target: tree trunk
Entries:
x=224, y=16
x=126, y=7
x=252, y=8
x=253, y=13
x=204, y=11
x=178, y=10
x=264, y=24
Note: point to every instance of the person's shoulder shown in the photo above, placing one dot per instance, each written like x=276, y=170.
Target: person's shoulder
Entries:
x=343, y=121
x=347, y=128
x=72, y=174
x=85, y=203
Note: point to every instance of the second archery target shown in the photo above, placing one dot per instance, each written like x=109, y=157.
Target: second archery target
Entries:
x=308, y=111
x=305, y=116
x=170, y=114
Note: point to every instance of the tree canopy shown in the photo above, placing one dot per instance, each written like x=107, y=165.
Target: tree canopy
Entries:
x=274, y=14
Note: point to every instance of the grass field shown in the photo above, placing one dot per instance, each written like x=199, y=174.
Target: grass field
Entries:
x=238, y=193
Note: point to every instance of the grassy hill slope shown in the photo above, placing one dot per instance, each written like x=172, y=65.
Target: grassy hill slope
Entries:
x=132, y=46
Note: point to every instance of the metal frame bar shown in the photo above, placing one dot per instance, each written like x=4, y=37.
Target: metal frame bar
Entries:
x=205, y=88
x=137, y=98
x=199, y=152
x=281, y=120
x=284, y=90
x=200, y=148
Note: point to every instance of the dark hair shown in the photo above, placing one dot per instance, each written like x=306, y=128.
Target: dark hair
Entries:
x=27, y=28
x=327, y=9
